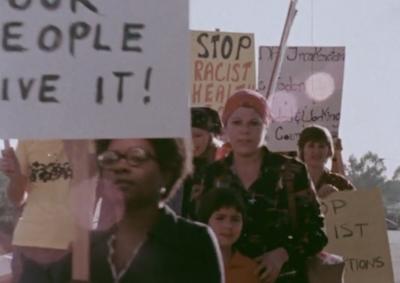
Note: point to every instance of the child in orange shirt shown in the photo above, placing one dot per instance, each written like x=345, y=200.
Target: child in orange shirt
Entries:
x=223, y=210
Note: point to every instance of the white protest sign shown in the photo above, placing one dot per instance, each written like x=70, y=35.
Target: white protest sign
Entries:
x=356, y=228
x=94, y=69
x=308, y=91
x=222, y=62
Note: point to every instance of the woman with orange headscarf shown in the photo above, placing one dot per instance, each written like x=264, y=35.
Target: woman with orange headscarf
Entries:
x=256, y=173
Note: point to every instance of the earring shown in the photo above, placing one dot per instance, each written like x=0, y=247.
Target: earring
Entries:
x=163, y=191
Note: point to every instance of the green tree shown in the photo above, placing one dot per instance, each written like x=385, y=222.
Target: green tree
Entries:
x=368, y=172
x=391, y=192
x=396, y=174
x=391, y=189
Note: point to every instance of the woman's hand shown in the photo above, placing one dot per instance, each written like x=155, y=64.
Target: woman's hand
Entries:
x=9, y=164
x=326, y=190
x=270, y=264
x=17, y=186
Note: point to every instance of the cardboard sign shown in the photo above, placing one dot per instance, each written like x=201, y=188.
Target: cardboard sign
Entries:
x=94, y=69
x=308, y=91
x=356, y=228
x=221, y=64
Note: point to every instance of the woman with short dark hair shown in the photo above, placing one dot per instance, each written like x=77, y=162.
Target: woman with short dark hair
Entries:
x=206, y=127
x=149, y=242
x=171, y=157
x=315, y=147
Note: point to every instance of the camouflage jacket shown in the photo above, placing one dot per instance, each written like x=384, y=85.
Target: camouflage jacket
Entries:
x=267, y=223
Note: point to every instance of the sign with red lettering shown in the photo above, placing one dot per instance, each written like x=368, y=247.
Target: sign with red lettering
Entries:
x=94, y=69
x=221, y=64
x=356, y=228
x=308, y=91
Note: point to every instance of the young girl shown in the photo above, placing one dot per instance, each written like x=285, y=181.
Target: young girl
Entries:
x=223, y=210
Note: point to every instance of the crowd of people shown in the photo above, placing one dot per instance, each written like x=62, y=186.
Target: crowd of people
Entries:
x=224, y=216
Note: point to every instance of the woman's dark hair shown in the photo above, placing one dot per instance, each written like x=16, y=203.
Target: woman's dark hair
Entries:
x=172, y=157
x=207, y=119
x=219, y=198
x=315, y=133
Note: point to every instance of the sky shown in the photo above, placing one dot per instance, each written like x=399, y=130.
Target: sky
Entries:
x=370, y=31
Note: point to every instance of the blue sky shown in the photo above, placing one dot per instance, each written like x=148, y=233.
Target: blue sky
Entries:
x=369, y=29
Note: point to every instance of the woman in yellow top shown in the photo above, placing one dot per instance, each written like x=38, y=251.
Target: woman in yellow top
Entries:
x=224, y=211
x=40, y=175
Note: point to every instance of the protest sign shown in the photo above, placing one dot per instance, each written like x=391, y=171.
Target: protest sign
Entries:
x=222, y=63
x=308, y=91
x=94, y=69
x=356, y=228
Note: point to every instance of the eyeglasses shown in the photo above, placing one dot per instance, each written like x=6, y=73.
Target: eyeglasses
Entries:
x=134, y=156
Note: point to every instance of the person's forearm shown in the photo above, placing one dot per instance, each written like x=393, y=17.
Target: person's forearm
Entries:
x=16, y=189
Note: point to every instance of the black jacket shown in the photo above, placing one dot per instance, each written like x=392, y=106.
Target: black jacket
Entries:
x=176, y=251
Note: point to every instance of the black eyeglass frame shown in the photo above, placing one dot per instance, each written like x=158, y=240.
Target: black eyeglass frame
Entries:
x=142, y=155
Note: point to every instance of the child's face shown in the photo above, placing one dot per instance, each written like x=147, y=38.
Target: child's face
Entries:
x=227, y=223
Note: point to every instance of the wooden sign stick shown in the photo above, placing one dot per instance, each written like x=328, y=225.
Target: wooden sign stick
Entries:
x=6, y=143
x=282, y=48
x=83, y=201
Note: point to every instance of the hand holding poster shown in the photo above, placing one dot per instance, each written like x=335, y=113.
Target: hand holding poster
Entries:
x=221, y=63
x=308, y=91
x=83, y=68
x=356, y=229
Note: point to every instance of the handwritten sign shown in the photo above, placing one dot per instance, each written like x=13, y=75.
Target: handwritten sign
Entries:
x=221, y=64
x=356, y=229
x=94, y=69
x=308, y=91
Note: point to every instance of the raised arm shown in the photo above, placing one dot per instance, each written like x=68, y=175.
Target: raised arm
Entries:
x=307, y=219
x=17, y=187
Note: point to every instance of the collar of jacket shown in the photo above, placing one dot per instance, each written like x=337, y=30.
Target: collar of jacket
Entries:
x=269, y=160
x=166, y=230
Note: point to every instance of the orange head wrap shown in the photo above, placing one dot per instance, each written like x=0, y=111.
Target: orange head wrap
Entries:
x=246, y=98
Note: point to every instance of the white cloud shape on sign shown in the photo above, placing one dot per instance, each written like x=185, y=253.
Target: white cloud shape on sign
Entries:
x=320, y=86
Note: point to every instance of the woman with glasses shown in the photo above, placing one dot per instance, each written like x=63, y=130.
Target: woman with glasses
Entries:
x=149, y=243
